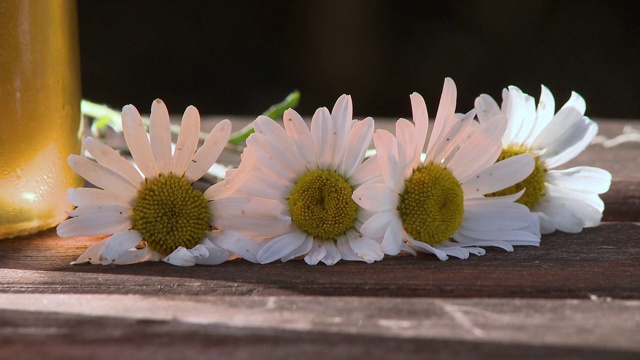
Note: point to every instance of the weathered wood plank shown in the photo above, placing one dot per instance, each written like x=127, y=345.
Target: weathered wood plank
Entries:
x=603, y=261
x=105, y=326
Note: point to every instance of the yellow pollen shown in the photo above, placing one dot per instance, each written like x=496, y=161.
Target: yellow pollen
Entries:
x=431, y=205
x=320, y=205
x=170, y=213
x=534, y=183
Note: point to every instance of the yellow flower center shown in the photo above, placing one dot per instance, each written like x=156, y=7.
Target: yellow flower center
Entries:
x=534, y=183
x=170, y=213
x=320, y=205
x=431, y=205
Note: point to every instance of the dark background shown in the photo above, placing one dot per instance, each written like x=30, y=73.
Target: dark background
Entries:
x=238, y=57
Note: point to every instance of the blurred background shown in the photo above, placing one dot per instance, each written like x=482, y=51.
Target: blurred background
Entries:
x=238, y=57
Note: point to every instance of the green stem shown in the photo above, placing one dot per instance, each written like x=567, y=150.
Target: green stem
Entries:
x=106, y=116
x=274, y=112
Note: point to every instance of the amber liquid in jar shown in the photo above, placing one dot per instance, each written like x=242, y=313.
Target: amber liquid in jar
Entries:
x=39, y=112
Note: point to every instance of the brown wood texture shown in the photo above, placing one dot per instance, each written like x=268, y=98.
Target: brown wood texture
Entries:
x=601, y=261
x=577, y=296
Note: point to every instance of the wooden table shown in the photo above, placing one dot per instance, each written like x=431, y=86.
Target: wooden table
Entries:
x=575, y=297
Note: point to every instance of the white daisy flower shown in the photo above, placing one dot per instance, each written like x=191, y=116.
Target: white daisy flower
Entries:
x=565, y=200
x=436, y=204
x=312, y=174
x=156, y=215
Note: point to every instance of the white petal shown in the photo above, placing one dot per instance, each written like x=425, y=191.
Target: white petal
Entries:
x=544, y=114
x=160, y=136
x=570, y=214
x=387, y=155
x=426, y=248
x=576, y=101
x=406, y=142
x=94, y=225
x=493, y=200
x=257, y=186
x=201, y=251
x=245, y=207
x=299, y=133
x=180, y=257
x=300, y=250
x=357, y=145
x=301, y=136
x=486, y=136
x=136, y=137
x=487, y=109
x=446, y=110
x=421, y=119
x=110, y=159
x=522, y=117
x=547, y=224
x=255, y=227
x=276, y=136
x=469, y=160
x=118, y=244
x=274, y=160
x=376, y=197
x=237, y=243
x=581, y=178
x=280, y=247
x=137, y=256
x=564, y=125
x=317, y=252
x=234, y=178
x=187, y=142
x=588, y=198
x=505, y=235
x=572, y=146
x=342, y=113
x=488, y=217
x=215, y=255
x=91, y=254
x=512, y=105
x=93, y=196
x=365, y=248
x=367, y=171
x=393, y=237
x=101, y=209
x=346, y=252
x=209, y=152
x=450, y=138
x=101, y=176
x=333, y=255
x=471, y=241
x=408, y=249
x=323, y=137
x=453, y=249
x=500, y=175
x=376, y=226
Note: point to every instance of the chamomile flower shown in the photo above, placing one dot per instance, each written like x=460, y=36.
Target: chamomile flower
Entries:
x=312, y=174
x=565, y=200
x=156, y=215
x=436, y=203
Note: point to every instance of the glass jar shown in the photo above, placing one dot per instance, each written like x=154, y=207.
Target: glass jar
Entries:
x=40, y=121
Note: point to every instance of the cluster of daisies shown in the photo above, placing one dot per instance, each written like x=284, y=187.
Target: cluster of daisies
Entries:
x=480, y=179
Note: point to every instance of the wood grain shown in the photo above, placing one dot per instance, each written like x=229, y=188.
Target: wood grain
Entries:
x=602, y=261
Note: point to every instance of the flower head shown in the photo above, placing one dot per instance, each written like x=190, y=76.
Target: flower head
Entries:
x=312, y=174
x=567, y=199
x=435, y=202
x=155, y=212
